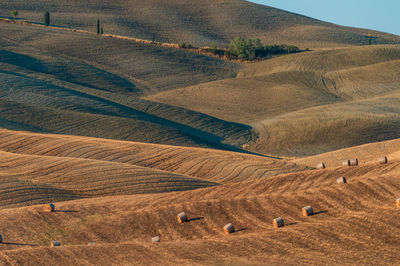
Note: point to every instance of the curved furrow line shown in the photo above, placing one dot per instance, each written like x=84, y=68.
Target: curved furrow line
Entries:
x=147, y=159
x=246, y=172
x=159, y=158
x=218, y=172
x=42, y=147
x=194, y=166
x=80, y=150
x=145, y=181
x=134, y=189
x=217, y=169
x=181, y=164
x=232, y=168
x=194, y=162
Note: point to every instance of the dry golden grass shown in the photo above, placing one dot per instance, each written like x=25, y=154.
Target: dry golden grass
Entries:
x=325, y=128
x=307, y=103
x=53, y=83
x=370, y=153
x=294, y=82
x=271, y=103
x=32, y=179
x=205, y=164
x=119, y=194
x=247, y=100
x=123, y=66
x=198, y=22
x=355, y=222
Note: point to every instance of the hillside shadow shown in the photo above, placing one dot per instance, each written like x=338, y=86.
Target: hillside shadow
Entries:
x=195, y=219
x=290, y=224
x=22, y=61
x=19, y=244
x=319, y=212
x=241, y=229
x=68, y=72
x=13, y=73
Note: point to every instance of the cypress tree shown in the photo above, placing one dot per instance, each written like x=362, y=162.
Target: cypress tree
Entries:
x=98, y=26
x=101, y=30
x=47, y=18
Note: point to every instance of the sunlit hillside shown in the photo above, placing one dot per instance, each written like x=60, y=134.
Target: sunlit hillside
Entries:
x=307, y=103
x=203, y=22
x=133, y=147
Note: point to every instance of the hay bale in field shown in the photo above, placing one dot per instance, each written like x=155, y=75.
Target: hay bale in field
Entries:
x=398, y=202
x=182, y=217
x=307, y=211
x=383, y=160
x=278, y=222
x=341, y=180
x=354, y=162
x=156, y=239
x=1, y=239
x=346, y=163
x=321, y=166
x=55, y=244
x=229, y=228
x=49, y=207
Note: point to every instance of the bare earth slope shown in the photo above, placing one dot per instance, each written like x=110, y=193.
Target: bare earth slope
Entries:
x=51, y=82
x=116, y=178
x=201, y=22
x=206, y=164
x=82, y=84
x=307, y=103
x=368, y=152
x=353, y=222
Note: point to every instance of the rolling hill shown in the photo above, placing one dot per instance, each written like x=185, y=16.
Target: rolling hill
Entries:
x=204, y=22
x=206, y=164
x=308, y=103
x=82, y=84
x=355, y=221
x=123, y=134
x=369, y=152
x=47, y=87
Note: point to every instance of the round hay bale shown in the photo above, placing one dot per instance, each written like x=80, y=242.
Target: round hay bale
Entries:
x=321, y=166
x=398, y=202
x=1, y=239
x=354, y=162
x=156, y=239
x=182, y=217
x=346, y=163
x=55, y=244
x=229, y=228
x=307, y=211
x=341, y=180
x=49, y=207
x=278, y=222
x=383, y=160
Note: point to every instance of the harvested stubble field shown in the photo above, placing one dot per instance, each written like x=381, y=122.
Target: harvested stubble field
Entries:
x=353, y=222
x=306, y=103
x=203, y=22
x=123, y=135
x=369, y=152
x=205, y=164
x=73, y=91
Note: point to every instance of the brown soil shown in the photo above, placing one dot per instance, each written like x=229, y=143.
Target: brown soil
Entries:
x=353, y=222
x=202, y=22
x=122, y=135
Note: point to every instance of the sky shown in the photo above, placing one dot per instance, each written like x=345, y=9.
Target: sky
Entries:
x=381, y=15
